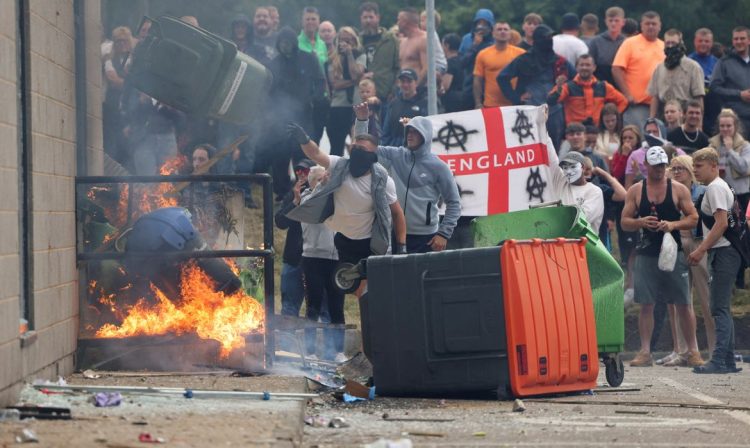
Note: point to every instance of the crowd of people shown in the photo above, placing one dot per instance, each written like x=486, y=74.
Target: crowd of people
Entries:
x=645, y=139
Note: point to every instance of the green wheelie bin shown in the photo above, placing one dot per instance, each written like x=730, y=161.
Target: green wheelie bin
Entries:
x=199, y=72
x=606, y=275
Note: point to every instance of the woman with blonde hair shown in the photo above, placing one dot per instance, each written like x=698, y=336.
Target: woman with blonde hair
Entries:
x=681, y=170
x=345, y=67
x=734, y=154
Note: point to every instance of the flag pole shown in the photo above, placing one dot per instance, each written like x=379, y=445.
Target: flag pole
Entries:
x=431, y=79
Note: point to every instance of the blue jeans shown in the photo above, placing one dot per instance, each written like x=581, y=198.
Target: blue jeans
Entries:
x=723, y=263
x=417, y=244
x=292, y=289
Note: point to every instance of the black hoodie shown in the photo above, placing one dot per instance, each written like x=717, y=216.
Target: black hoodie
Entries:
x=298, y=83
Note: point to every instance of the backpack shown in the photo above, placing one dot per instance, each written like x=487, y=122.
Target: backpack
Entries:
x=737, y=232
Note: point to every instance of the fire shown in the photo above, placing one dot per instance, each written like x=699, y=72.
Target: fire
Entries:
x=202, y=310
x=147, y=197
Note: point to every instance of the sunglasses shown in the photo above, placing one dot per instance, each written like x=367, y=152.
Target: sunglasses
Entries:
x=360, y=147
x=302, y=170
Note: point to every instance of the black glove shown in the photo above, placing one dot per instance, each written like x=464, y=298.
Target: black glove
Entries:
x=296, y=133
x=399, y=249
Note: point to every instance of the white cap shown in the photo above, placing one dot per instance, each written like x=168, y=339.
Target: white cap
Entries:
x=656, y=156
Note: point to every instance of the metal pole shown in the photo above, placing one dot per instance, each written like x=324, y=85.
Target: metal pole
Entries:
x=268, y=271
x=431, y=79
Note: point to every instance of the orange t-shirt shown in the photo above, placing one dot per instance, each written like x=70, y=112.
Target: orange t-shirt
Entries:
x=639, y=57
x=488, y=65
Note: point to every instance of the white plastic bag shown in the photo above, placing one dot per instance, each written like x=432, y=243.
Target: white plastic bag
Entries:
x=668, y=253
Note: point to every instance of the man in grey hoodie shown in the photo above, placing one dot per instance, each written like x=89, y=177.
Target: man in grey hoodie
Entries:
x=422, y=180
x=731, y=77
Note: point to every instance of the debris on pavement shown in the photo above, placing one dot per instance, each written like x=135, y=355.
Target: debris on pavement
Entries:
x=90, y=374
x=26, y=436
x=416, y=419
x=107, y=399
x=10, y=415
x=316, y=421
x=386, y=443
x=518, y=406
x=358, y=390
x=42, y=412
x=145, y=437
x=338, y=422
x=422, y=434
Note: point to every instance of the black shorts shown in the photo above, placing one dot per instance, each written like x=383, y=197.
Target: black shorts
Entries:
x=351, y=251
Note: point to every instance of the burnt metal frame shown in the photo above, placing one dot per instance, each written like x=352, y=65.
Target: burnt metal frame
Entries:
x=267, y=253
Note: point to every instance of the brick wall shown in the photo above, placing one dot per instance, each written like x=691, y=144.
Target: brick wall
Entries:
x=53, y=147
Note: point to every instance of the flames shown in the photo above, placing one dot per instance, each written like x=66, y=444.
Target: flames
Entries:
x=147, y=197
x=201, y=310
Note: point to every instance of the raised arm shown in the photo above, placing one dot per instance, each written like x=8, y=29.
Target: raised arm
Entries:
x=311, y=150
x=619, y=191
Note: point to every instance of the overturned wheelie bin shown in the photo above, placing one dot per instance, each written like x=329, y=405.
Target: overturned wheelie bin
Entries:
x=605, y=273
x=199, y=72
x=510, y=320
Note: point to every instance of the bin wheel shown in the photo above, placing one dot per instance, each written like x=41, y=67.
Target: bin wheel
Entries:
x=347, y=277
x=614, y=371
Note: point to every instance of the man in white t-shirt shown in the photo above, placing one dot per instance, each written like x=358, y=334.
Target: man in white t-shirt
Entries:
x=723, y=259
x=569, y=183
x=359, y=223
x=567, y=44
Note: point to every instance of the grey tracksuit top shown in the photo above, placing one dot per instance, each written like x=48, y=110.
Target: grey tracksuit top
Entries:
x=421, y=179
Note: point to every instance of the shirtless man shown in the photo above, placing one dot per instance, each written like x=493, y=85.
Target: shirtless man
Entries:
x=413, y=47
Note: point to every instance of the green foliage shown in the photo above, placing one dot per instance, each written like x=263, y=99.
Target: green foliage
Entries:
x=215, y=15
x=252, y=280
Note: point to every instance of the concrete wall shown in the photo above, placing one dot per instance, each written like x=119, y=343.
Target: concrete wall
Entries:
x=54, y=300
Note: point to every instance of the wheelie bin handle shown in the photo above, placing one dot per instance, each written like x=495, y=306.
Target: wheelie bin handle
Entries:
x=546, y=204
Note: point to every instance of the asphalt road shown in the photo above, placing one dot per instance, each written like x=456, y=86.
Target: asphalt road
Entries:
x=587, y=421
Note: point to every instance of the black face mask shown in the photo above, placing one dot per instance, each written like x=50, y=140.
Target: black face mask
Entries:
x=674, y=55
x=544, y=45
x=361, y=160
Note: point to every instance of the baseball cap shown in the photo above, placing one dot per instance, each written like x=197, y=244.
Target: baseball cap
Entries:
x=572, y=157
x=656, y=156
x=304, y=163
x=408, y=73
x=570, y=22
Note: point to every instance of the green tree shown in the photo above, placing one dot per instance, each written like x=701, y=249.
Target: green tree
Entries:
x=215, y=15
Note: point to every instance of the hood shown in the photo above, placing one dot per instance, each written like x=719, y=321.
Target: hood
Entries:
x=662, y=128
x=542, y=32
x=484, y=14
x=423, y=125
x=241, y=18
x=287, y=34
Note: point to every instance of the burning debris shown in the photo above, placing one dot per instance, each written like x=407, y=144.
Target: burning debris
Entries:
x=154, y=292
x=209, y=313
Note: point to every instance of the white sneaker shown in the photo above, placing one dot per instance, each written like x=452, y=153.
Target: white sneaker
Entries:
x=629, y=298
x=340, y=358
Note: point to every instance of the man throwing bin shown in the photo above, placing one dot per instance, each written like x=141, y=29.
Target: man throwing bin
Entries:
x=358, y=201
x=422, y=179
